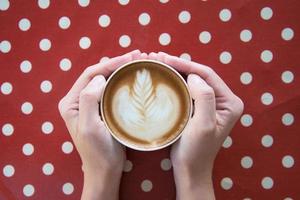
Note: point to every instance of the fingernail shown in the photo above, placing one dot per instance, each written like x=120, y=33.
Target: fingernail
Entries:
x=100, y=78
x=144, y=55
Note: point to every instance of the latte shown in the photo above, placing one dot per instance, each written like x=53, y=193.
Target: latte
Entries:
x=145, y=105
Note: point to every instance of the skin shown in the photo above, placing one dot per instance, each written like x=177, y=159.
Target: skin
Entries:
x=217, y=109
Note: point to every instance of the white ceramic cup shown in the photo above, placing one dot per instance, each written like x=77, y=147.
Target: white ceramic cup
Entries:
x=125, y=143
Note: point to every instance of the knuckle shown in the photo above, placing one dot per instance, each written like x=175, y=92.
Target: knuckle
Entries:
x=238, y=107
x=209, y=71
x=62, y=107
x=64, y=110
x=88, y=70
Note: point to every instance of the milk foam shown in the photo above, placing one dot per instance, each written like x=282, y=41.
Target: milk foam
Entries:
x=144, y=111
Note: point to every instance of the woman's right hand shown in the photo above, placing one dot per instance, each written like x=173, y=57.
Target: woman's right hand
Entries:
x=217, y=109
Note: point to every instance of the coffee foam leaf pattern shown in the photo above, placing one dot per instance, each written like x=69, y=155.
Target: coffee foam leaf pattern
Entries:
x=144, y=111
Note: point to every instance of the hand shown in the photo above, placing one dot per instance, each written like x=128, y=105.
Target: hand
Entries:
x=102, y=157
x=217, y=109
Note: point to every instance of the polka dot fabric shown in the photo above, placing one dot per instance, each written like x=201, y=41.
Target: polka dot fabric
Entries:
x=252, y=45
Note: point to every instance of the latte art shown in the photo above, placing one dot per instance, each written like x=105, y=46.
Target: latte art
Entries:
x=144, y=111
x=145, y=105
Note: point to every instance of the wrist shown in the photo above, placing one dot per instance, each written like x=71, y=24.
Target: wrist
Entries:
x=193, y=184
x=101, y=184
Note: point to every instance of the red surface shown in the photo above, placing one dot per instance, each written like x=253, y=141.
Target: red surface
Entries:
x=246, y=57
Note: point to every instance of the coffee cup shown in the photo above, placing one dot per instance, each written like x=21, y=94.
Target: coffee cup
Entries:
x=146, y=105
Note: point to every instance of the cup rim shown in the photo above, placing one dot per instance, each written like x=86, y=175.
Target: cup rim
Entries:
x=135, y=147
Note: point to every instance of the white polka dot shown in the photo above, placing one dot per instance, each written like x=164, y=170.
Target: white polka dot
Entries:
x=5, y=46
x=47, y=127
x=64, y=22
x=45, y=44
x=267, y=183
x=288, y=161
x=204, y=37
x=46, y=86
x=68, y=188
x=127, y=166
x=124, y=41
x=287, y=119
x=4, y=5
x=123, y=2
x=28, y=190
x=6, y=88
x=104, y=21
x=28, y=149
x=25, y=66
x=246, y=162
x=65, y=64
x=226, y=183
x=287, y=34
x=43, y=4
x=164, y=39
x=26, y=108
x=84, y=42
x=165, y=164
x=287, y=198
x=24, y=24
x=287, y=76
x=67, y=147
x=8, y=170
x=48, y=169
x=184, y=17
x=245, y=35
x=225, y=57
x=225, y=15
x=266, y=98
x=246, y=120
x=246, y=78
x=83, y=3
x=7, y=129
x=144, y=19
x=227, y=142
x=267, y=140
x=266, y=13
x=186, y=56
x=164, y=1
x=247, y=198
x=146, y=185
x=104, y=59
x=266, y=56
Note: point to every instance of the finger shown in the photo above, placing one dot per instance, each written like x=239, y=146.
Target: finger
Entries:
x=152, y=56
x=100, y=68
x=209, y=75
x=205, y=103
x=229, y=106
x=89, y=102
x=136, y=54
x=144, y=56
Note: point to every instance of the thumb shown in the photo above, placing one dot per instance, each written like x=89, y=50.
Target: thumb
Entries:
x=89, y=99
x=204, y=100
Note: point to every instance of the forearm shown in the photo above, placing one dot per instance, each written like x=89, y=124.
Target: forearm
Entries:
x=103, y=185
x=193, y=187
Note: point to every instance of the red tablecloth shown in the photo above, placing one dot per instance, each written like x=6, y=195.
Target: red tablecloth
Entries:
x=252, y=44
